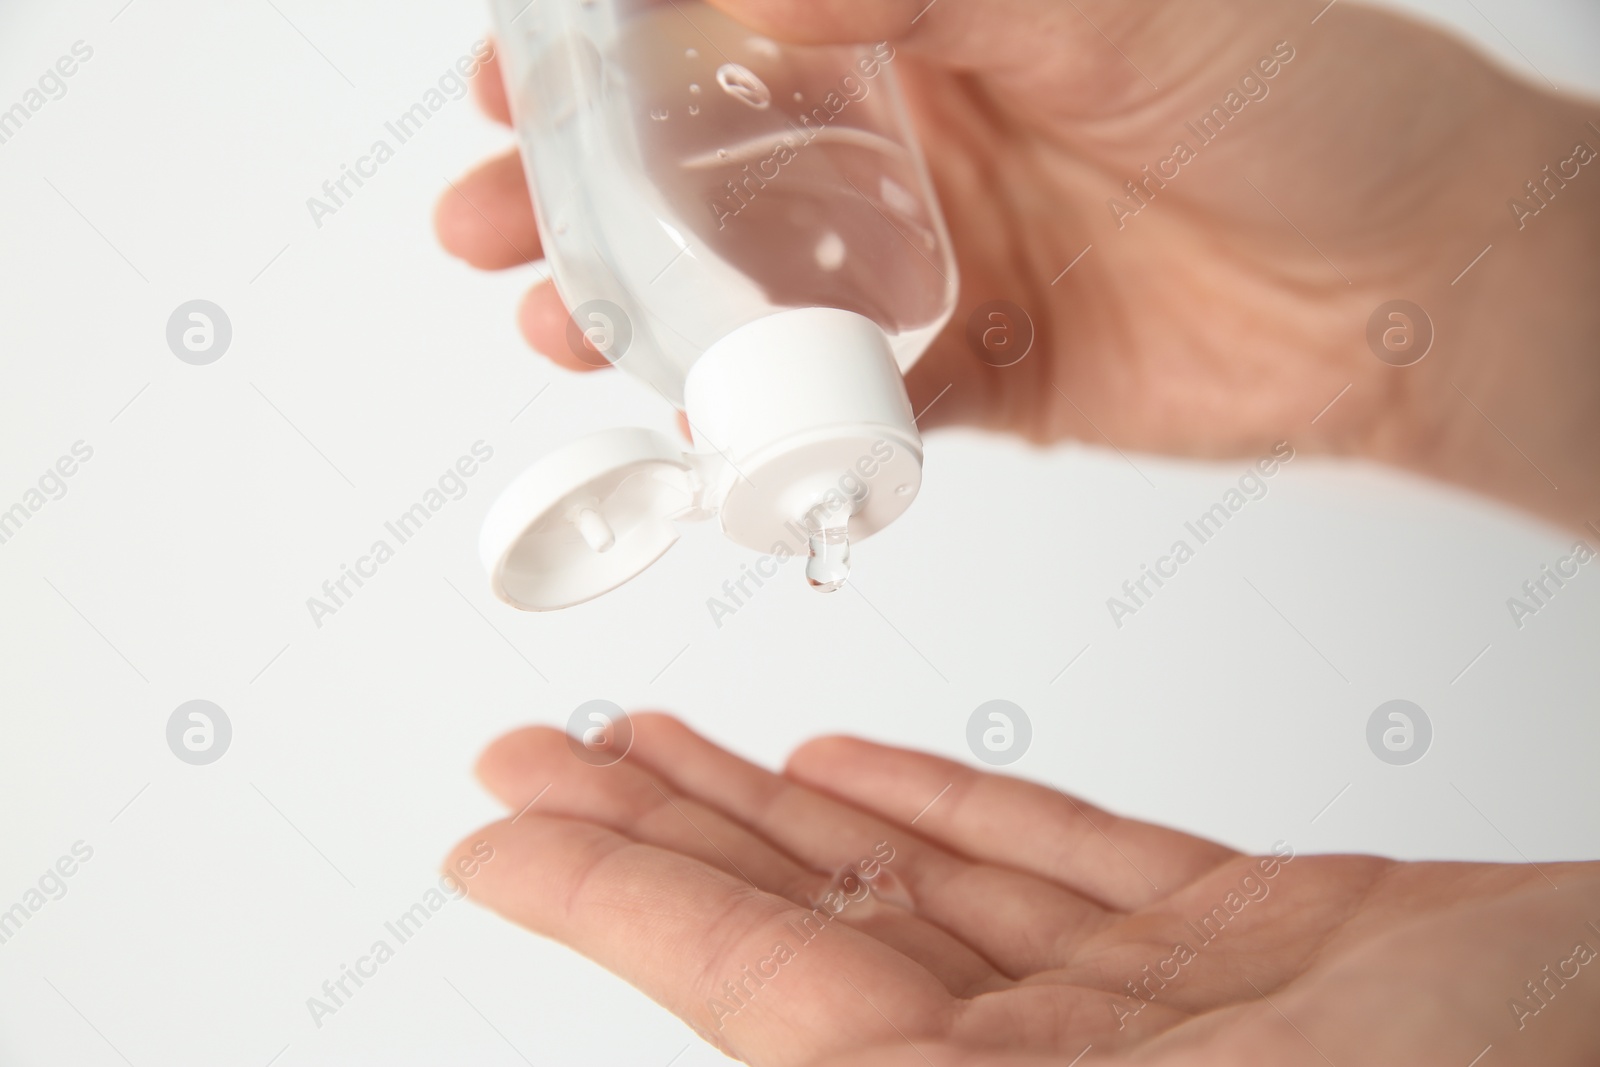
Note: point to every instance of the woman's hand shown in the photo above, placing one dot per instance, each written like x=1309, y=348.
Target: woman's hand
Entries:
x=877, y=907
x=1306, y=164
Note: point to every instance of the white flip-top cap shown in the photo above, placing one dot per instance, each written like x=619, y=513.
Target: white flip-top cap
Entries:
x=586, y=518
x=798, y=411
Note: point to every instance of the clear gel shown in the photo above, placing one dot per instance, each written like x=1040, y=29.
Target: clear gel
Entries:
x=829, y=563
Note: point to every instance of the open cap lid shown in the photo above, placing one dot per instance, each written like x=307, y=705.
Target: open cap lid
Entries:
x=588, y=517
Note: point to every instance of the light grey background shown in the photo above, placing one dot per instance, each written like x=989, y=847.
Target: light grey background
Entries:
x=178, y=564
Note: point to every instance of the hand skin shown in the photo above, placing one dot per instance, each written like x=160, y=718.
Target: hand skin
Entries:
x=1222, y=318
x=682, y=865
x=1217, y=320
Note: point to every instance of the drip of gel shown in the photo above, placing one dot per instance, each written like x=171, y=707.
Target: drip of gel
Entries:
x=829, y=563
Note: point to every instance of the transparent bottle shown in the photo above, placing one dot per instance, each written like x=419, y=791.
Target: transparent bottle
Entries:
x=749, y=228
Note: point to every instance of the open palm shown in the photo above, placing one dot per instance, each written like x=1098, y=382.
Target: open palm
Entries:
x=877, y=906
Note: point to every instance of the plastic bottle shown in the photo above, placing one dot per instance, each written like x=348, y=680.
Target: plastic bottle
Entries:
x=749, y=228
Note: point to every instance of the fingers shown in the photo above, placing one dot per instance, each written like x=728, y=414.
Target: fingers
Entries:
x=733, y=962
x=545, y=324
x=905, y=1054
x=489, y=90
x=929, y=25
x=998, y=38
x=995, y=819
x=1033, y=932
x=1084, y=59
x=537, y=764
x=825, y=21
x=486, y=217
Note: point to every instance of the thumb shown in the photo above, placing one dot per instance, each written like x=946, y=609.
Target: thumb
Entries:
x=825, y=21
x=961, y=33
x=1077, y=57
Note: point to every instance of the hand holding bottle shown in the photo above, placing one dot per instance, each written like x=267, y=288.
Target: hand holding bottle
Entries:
x=1221, y=302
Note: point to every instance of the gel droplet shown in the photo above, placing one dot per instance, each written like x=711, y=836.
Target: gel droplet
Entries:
x=694, y=88
x=741, y=83
x=694, y=109
x=865, y=897
x=829, y=562
x=690, y=53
